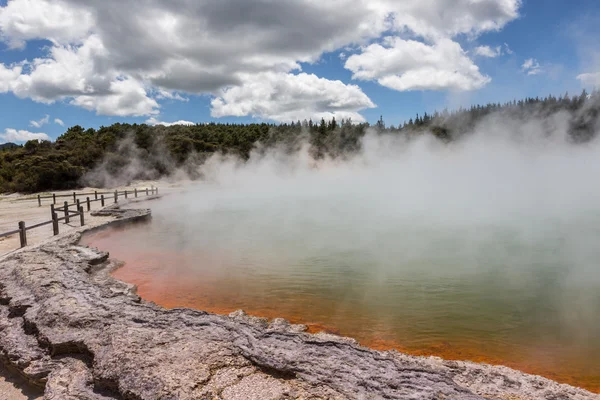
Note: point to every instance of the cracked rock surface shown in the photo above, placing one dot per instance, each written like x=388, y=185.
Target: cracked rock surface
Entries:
x=69, y=327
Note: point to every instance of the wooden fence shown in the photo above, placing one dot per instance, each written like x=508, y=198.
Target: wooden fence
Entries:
x=95, y=193
x=79, y=209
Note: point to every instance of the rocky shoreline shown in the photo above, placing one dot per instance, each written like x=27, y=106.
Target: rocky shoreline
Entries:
x=66, y=325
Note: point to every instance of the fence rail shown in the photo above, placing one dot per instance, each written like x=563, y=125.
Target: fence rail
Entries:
x=77, y=204
x=9, y=233
x=95, y=193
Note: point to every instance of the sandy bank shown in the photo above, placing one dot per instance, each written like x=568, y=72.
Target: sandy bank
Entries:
x=65, y=323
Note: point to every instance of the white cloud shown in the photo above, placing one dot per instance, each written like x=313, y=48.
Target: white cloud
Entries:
x=590, y=79
x=411, y=65
x=66, y=71
x=288, y=97
x=53, y=20
x=165, y=94
x=507, y=49
x=40, y=123
x=153, y=121
x=200, y=47
x=165, y=50
x=124, y=97
x=59, y=121
x=79, y=74
x=487, y=51
x=436, y=19
x=7, y=76
x=436, y=62
x=14, y=135
x=531, y=67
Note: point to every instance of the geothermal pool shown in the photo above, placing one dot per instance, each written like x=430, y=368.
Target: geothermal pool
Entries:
x=484, y=250
x=491, y=293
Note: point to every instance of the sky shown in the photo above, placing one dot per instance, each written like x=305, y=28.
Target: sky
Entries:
x=94, y=63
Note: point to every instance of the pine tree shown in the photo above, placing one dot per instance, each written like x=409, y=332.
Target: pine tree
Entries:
x=380, y=124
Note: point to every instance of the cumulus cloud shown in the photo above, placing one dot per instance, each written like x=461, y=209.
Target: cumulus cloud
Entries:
x=532, y=67
x=412, y=65
x=52, y=20
x=289, y=97
x=420, y=65
x=203, y=46
x=169, y=95
x=448, y=18
x=436, y=62
x=40, y=123
x=153, y=121
x=165, y=50
x=59, y=121
x=487, y=51
x=65, y=71
x=590, y=79
x=8, y=75
x=124, y=97
x=83, y=75
x=19, y=136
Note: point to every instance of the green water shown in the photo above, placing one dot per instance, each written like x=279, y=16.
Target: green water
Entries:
x=518, y=289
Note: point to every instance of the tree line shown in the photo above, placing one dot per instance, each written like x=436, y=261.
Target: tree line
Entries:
x=92, y=156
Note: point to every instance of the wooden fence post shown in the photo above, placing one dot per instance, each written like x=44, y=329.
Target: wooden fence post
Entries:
x=95, y=195
x=116, y=196
x=89, y=206
x=54, y=223
x=146, y=191
x=102, y=200
x=66, y=212
x=22, y=234
x=135, y=192
x=78, y=202
x=39, y=200
x=81, y=213
x=74, y=197
x=125, y=193
x=54, y=198
x=51, y=209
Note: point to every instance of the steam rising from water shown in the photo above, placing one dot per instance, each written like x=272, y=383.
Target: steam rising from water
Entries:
x=517, y=198
x=516, y=177
x=492, y=240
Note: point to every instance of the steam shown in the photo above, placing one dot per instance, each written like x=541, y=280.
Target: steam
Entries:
x=504, y=171
x=494, y=234
x=509, y=184
x=130, y=163
x=508, y=197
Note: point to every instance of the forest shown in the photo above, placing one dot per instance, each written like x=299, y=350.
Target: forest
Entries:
x=76, y=157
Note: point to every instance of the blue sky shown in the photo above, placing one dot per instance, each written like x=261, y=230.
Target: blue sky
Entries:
x=82, y=67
